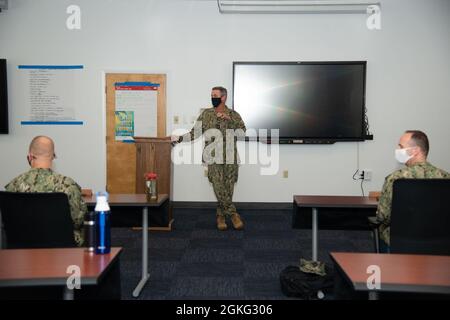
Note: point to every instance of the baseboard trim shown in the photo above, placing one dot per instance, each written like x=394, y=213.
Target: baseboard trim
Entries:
x=239, y=205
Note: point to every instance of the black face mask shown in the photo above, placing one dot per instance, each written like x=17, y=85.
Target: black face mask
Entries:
x=216, y=102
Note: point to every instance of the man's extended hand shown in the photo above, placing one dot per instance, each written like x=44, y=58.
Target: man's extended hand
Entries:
x=174, y=138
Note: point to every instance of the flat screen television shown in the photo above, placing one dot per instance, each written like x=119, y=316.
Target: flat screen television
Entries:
x=4, y=128
x=309, y=102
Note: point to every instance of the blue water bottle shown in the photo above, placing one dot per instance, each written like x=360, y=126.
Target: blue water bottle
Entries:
x=103, y=224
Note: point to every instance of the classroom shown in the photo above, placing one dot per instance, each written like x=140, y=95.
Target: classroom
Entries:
x=224, y=150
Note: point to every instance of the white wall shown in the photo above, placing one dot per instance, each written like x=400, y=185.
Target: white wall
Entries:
x=408, y=81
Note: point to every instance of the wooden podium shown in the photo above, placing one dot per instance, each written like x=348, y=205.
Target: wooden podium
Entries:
x=154, y=155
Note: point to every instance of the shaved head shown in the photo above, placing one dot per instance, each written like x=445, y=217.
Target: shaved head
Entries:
x=42, y=146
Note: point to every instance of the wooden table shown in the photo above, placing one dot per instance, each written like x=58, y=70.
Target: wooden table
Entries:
x=48, y=267
x=136, y=200
x=399, y=272
x=316, y=202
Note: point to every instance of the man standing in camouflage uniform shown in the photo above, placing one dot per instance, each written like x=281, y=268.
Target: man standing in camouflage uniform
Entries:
x=413, y=151
x=41, y=178
x=223, y=174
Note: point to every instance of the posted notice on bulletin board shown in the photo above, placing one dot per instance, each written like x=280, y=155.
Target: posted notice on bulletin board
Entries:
x=124, y=125
x=136, y=110
x=50, y=94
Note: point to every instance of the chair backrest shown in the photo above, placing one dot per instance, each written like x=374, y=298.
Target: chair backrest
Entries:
x=36, y=220
x=420, y=216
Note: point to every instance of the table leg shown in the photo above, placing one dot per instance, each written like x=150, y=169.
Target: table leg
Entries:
x=68, y=294
x=1, y=229
x=377, y=241
x=373, y=295
x=314, y=234
x=145, y=274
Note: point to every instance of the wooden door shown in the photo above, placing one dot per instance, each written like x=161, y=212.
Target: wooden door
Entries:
x=121, y=156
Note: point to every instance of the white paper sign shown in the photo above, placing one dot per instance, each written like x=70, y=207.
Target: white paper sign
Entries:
x=50, y=92
x=141, y=99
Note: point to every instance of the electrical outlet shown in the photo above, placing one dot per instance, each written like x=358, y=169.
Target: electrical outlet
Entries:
x=366, y=174
x=176, y=120
x=285, y=174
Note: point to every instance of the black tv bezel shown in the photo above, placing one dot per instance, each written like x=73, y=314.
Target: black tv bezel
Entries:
x=4, y=124
x=313, y=140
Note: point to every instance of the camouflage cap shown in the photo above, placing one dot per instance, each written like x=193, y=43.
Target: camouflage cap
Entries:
x=309, y=266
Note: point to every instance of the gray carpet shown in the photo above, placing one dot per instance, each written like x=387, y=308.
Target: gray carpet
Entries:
x=196, y=261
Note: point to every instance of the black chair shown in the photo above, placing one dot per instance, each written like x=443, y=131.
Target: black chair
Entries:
x=374, y=225
x=420, y=216
x=373, y=222
x=36, y=220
